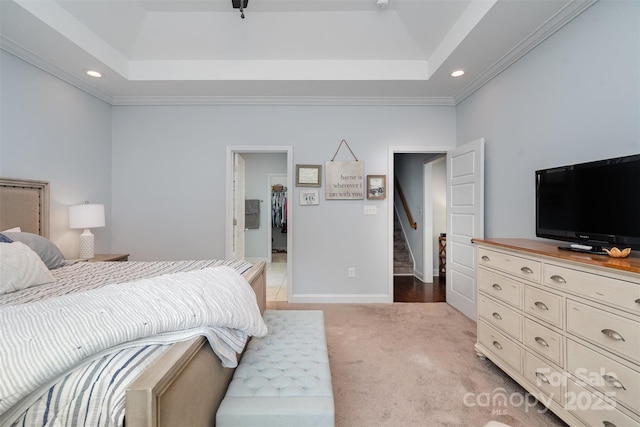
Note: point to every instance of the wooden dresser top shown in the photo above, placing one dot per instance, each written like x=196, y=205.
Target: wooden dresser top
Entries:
x=630, y=263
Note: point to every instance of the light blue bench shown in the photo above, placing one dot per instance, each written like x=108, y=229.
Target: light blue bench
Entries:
x=283, y=379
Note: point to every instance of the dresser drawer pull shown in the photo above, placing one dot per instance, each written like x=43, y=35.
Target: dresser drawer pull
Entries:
x=558, y=279
x=497, y=316
x=485, y=258
x=541, y=305
x=613, y=381
x=608, y=424
x=526, y=270
x=638, y=301
x=498, y=287
x=497, y=345
x=542, y=342
x=612, y=334
x=542, y=377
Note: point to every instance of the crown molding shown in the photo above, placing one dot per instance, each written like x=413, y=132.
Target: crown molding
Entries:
x=38, y=62
x=544, y=31
x=282, y=100
x=26, y=55
x=553, y=24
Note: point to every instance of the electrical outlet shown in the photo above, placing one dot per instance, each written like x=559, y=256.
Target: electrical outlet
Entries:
x=351, y=272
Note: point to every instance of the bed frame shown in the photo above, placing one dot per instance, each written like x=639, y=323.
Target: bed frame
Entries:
x=185, y=386
x=24, y=204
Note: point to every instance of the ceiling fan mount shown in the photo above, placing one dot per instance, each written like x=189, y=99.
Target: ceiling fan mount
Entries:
x=240, y=4
x=237, y=4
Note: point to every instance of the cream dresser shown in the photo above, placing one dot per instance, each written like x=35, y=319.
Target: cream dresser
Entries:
x=564, y=325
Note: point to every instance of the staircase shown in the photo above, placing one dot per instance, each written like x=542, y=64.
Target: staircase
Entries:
x=402, y=263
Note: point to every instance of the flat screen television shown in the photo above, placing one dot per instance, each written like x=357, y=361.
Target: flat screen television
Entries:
x=591, y=205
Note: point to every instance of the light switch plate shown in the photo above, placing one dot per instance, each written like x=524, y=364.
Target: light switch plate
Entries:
x=370, y=210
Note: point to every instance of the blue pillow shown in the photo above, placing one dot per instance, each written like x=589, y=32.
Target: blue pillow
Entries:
x=46, y=249
x=5, y=239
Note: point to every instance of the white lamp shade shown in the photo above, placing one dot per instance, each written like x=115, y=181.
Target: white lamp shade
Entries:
x=86, y=216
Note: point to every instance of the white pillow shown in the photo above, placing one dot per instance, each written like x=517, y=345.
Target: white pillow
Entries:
x=12, y=230
x=20, y=268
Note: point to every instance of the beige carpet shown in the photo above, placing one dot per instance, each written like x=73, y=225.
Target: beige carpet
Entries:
x=407, y=364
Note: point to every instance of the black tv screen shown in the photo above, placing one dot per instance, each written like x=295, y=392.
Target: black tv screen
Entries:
x=593, y=204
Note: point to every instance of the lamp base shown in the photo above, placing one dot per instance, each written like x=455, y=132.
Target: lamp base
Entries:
x=86, y=244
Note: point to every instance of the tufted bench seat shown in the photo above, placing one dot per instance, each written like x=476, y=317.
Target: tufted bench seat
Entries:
x=283, y=379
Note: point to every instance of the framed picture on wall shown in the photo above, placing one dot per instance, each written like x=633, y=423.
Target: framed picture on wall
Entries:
x=376, y=187
x=308, y=175
x=309, y=197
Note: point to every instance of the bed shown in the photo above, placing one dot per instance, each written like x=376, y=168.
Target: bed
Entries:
x=171, y=383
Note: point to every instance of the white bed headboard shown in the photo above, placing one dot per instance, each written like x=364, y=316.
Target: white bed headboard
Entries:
x=24, y=203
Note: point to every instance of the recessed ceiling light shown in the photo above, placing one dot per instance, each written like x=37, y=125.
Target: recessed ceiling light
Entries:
x=93, y=73
x=457, y=73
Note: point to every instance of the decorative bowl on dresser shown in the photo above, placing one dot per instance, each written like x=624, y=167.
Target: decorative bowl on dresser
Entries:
x=565, y=326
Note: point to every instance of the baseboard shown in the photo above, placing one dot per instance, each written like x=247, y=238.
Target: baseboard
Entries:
x=342, y=298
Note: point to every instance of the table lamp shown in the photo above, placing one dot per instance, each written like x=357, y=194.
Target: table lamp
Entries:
x=86, y=216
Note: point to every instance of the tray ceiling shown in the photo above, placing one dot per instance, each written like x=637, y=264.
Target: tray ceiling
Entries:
x=290, y=51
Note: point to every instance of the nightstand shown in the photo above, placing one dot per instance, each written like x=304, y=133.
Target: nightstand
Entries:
x=109, y=257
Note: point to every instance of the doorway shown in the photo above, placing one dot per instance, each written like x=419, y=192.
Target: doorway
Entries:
x=279, y=200
x=421, y=176
x=261, y=166
x=278, y=234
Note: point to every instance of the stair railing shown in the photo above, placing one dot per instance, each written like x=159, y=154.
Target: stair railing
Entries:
x=412, y=223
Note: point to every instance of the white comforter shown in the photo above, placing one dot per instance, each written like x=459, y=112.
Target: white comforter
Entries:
x=42, y=341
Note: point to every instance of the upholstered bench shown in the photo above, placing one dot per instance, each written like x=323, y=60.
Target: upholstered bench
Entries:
x=283, y=379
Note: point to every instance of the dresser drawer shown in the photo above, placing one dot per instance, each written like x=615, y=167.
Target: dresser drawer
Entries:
x=520, y=267
x=597, y=287
x=607, y=330
x=500, y=316
x=610, y=377
x=544, y=341
x=503, y=288
x=593, y=410
x=543, y=305
x=546, y=377
x=500, y=345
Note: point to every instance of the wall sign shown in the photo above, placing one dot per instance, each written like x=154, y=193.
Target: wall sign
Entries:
x=344, y=180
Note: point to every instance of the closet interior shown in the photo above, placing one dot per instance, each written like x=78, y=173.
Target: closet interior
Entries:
x=278, y=219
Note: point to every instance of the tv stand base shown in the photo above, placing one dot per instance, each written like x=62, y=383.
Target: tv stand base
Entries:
x=595, y=250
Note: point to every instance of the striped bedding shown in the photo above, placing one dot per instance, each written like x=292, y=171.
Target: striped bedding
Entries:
x=50, y=384
x=93, y=395
x=83, y=276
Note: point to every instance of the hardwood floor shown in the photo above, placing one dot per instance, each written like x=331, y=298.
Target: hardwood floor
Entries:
x=411, y=289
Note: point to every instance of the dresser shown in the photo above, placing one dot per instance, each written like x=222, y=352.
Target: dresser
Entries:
x=565, y=326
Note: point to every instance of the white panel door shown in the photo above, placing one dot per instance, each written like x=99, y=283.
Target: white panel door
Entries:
x=465, y=220
x=238, y=206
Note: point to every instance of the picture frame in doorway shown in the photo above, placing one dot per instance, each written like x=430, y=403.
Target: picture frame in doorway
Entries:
x=376, y=187
x=308, y=175
x=309, y=197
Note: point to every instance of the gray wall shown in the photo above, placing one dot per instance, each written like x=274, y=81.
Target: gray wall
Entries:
x=169, y=169
x=439, y=201
x=574, y=98
x=53, y=132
